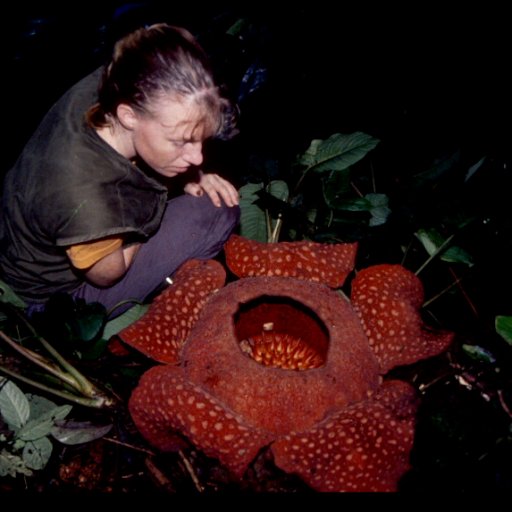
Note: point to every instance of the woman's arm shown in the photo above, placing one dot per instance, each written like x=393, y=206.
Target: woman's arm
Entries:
x=109, y=269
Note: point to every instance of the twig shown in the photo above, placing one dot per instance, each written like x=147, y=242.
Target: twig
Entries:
x=464, y=293
x=406, y=252
x=358, y=192
x=160, y=477
x=130, y=446
x=441, y=293
x=423, y=387
x=503, y=403
x=191, y=472
x=440, y=249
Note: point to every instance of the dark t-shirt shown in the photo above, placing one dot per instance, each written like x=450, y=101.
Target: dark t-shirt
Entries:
x=68, y=187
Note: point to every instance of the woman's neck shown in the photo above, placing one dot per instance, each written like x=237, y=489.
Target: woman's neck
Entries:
x=118, y=138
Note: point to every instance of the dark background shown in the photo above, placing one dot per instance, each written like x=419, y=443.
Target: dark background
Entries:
x=421, y=76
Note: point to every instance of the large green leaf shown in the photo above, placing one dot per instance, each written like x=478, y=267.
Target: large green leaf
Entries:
x=36, y=454
x=504, y=327
x=14, y=406
x=337, y=152
x=122, y=321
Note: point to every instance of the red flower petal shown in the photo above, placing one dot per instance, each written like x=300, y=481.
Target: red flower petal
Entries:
x=164, y=405
x=329, y=264
x=388, y=298
x=363, y=448
x=161, y=332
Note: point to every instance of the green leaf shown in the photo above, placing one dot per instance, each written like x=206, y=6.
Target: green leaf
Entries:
x=11, y=464
x=89, y=321
x=39, y=405
x=432, y=240
x=36, y=454
x=338, y=152
x=42, y=425
x=380, y=215
x=504, y=327
x=7, y=296
x=479, y=353
x=278, y=189
x=379, y=208
x=122, y=321
x=253, y=223
x=78, y=432
x=359, y=204
x=14, y=406
x=252, y=218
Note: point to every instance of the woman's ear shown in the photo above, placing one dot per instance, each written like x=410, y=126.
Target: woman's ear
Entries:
x=126, y=116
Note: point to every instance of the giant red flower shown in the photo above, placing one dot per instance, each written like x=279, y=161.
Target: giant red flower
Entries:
x=281, y=361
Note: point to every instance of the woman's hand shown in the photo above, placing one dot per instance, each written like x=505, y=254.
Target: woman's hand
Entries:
x=216, y=187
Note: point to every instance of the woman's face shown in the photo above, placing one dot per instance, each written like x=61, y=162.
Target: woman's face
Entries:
x=170, y=138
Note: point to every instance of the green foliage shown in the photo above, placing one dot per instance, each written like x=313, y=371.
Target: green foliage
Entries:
x=432, y=241
x=7, y=296
x=266, y=207
x=504, y=327
x=30, y=421
x=124, y=320
x=258, y=223
x=337, y=153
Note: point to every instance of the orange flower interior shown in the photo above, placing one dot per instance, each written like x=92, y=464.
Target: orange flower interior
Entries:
x=281, y=333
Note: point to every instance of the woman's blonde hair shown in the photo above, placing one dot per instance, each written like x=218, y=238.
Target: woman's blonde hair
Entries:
x=161, y=59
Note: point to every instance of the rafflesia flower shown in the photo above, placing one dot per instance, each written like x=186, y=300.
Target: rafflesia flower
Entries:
x=278, y=360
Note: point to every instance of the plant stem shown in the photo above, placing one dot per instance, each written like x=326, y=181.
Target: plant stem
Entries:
x=277, y=229
x=98, y=402
x=122, y=303
x=73, y=377
x=38, y=360
x=299, y=182
x=464, y=293
x=129, y=446
x=441, y=293
x=269, y=226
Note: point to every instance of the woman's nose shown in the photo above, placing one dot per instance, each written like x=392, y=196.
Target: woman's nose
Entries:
x=194, y=153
